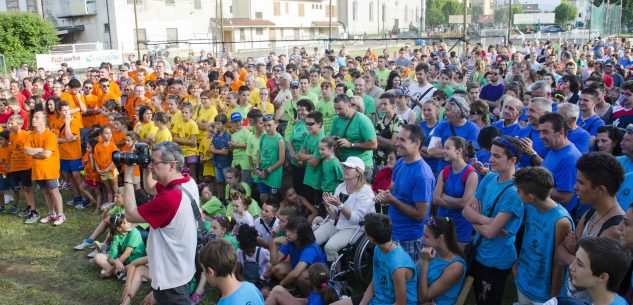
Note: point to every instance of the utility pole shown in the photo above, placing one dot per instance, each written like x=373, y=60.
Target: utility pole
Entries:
x=509, y=21
x=465, y=16
x=222, y=25
x=138, y=45
x=329, y=43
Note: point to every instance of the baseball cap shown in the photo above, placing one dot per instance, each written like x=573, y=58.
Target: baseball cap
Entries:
x=250, y=65
x=354, y=162
x=402, y=91
x=236, y=116
x=294, y=83
x=278, y=68
x=609, y=63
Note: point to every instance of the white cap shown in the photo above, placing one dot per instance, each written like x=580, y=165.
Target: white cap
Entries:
x=355, y=162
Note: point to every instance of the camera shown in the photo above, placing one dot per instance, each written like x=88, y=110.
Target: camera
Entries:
x=139, y=156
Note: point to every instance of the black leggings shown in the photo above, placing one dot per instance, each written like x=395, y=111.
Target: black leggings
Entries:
x=489, y=283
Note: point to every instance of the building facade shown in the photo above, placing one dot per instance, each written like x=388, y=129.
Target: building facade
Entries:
x=360, y=17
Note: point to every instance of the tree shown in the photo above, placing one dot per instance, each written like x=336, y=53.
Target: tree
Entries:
x=476, y=11
x=564, y=13
x=501, y=14
x=435, y=16
x=22, y=35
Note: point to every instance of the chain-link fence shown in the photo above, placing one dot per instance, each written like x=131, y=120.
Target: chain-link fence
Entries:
x=606, y=19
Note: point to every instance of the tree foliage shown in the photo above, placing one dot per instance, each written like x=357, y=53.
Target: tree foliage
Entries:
x=22, y=35
x=437, y=11
x=501, y=14
x=564, y=13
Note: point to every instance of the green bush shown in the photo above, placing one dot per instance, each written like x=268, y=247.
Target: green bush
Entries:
x=22, y=35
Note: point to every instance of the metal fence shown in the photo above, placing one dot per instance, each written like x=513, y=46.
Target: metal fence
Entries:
x=606, y=19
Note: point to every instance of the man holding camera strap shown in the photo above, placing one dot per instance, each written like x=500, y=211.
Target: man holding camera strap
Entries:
x=171, y=245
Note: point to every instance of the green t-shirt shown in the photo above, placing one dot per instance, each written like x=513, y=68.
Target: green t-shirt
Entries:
x=132, y=240
x=240, y=157
x=331, y=175
x=214, y=207
x=312, y=177
x=228, y=237
x=247, y=188
x=315, y=90
x=268, y=156
x=116, y=209
x=360, y=130
x=252, y=149
x=290, y=112
x=311, y=96
x=297, y=138
x=382, y=76
x=326, y=108
x=242, y=110
x=370, y=104
x=253, y=209
x=448, y=90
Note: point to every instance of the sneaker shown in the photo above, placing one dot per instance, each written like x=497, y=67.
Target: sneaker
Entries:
x=2, y=209
x=47, y=218
x=82, y=204
x=59, y=220
x=14, y=209
x=196, y=298
x=106, y=206
x=64, y=186
x=8, y=198
x=25, y=213
x=72, y=201
x=84, y=244
x=93, y=253
x=33, y=217
x=121, y=276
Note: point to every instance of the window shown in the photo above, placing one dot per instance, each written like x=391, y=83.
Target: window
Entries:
x=276, y=9
x=172, y=36
x=371, y=11
x=197, y=4
x=259, y=15
x=354, y=10
x=170, y=2
x=301, y=10
x=259, y=31
x=327, y=11
x=106, y=27
x=140, y=35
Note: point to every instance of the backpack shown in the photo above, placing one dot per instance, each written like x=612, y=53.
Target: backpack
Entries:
x=446, y=171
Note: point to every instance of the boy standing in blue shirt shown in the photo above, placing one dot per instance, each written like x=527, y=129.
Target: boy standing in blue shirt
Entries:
x=218, y=260
x=537, y=276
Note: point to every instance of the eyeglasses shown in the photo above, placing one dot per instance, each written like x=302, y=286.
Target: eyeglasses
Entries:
x=88, y=87
x=501, y=141
x=494, y=73
x=310, y=124
x=152, y=161
x=474, y=112
x=268, y=117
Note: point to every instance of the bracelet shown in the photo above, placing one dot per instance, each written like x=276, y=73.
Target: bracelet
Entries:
x=129, y=182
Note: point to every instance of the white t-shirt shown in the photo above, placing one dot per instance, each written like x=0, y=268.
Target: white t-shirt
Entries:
x=418, y=93
x=245, y=218
x=264, y=230
x=264, y=259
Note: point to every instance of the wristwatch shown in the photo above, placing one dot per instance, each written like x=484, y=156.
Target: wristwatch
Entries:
x=353, y=145
x=533, y=155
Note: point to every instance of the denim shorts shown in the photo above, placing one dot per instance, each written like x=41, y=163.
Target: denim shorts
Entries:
x=265, y=189
x=219, y=174
x=69, y=166
x=23, y=178
x=4, y=184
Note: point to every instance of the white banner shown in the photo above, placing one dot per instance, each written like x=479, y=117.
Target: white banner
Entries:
x=459, y=19
x=79, y=60
x=540, y=18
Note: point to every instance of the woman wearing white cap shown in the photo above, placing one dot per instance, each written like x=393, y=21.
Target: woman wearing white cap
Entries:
x=346, y=208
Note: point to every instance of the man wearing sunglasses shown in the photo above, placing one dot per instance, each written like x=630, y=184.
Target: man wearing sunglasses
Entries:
x=171, y=245
x=492, y=92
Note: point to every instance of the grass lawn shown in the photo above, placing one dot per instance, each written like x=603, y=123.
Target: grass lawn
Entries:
x=38, y=264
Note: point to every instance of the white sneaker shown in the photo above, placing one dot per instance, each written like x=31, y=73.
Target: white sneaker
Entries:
x=33, y=217
x=106, y=206
x=8, y=198
x=93, y=253
x=83, y=245
x=47, y=218
x=71, y=201
x=59, y=220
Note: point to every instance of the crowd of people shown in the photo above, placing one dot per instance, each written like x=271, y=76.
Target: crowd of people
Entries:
x=479, y=163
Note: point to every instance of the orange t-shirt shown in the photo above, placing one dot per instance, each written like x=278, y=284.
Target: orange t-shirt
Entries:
x=114, y=88
x=69, y=150
x=89, y=172
x=73, y=102
x=54, y=121
x=235, y=85
x=48, y=168
x=92, y=101
x=130, y=107
x=5, y=157
x=118, y=137
x=103, y=155
x=108, y=96
x=137, y=170
x=19, y=160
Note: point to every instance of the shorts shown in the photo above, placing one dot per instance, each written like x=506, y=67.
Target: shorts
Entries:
x=69, y=166
x=4, y=184
x=48, y=184
x=19, y=178
x=92, y=184
x=265, y=189
x=110, y=175
x=412, y=247
x=191, y=159
x=84, y=134
x=219, y=174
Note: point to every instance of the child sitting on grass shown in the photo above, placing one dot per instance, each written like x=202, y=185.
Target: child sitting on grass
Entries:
x=136, y=271
x=253, y=261
x=239, y=214
x=212, y=206
x=251, y=205
x=102, y=226
x=127, y=245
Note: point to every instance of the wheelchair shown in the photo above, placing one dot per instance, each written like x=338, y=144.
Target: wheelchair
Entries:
x=352, y=268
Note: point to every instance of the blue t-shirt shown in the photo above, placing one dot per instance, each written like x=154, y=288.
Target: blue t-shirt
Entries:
x=413, y=182
x=523, y=117
x=562, y=164
x=468, y=131
x=537, y=144
x=581, y=138
x=591, y=124
x=454, y=187
x=625, y=194
x=436, y=268
x=619, y=300
x=385, y=264
x=537, y=252
x=626, y=163
x=314, y=298
x=499, y=252
x=510, y=130
x=483, y=156
x=491, y=93
x=247, y=294
x=309, y=254
x=221, y=142
x=432, y=162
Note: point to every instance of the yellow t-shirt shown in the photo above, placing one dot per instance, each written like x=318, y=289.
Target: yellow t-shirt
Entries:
x=184, y=131
x=163, y=135
x=203, y=148
x=253, y=98
x=146, y=130
x=270, y=108
x=176, y=119
x=202, y=115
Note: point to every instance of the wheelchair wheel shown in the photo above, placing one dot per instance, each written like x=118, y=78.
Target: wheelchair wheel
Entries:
x=363, y=260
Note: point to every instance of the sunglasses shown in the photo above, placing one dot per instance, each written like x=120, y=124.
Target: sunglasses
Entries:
x=310, y=124
x=474, y=112
x=267, y=118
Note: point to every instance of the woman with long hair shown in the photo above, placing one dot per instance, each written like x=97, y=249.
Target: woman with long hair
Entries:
x=608, y=140
x=443, y=268
x=393, y=81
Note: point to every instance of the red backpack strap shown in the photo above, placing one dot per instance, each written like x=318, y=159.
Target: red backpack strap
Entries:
x=469, y=169
x=445, y=172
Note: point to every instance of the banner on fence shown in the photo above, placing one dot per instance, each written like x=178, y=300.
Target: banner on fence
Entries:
x=78, y=60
